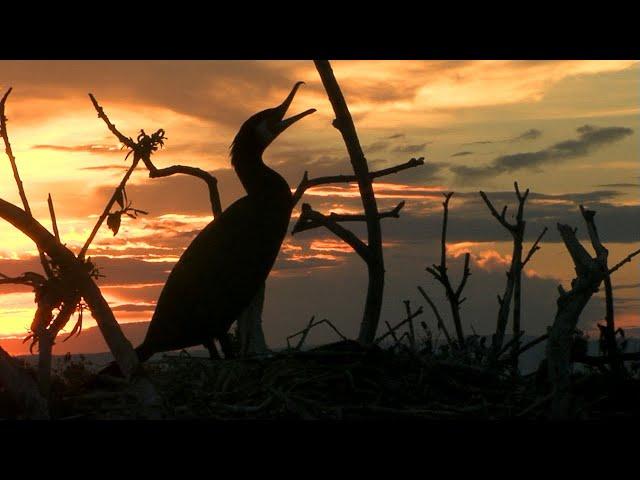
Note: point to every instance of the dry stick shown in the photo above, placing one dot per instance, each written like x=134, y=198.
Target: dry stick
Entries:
x=52, y=213
x=625, y=260
x=44, y=355
x=304, y=334
x=439, y=272
x=441, y=326
x=16, y=174
x=532, y=344
x=412, y=334
x=306, y=183
x=311, y=325
x=534, y=248
x=107, y=208
x=375, y=264
x=406, y=320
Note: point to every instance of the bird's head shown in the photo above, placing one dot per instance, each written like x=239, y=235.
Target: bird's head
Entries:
x=257, y=133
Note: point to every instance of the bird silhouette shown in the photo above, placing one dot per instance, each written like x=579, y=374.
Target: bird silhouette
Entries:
x=223, y=268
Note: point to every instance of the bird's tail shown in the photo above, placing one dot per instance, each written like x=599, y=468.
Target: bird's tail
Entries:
x=113, y=370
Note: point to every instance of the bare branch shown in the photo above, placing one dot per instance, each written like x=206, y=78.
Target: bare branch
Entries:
x=141, y=149
x=441, y=325
x=307, y=183
x=412, y=334
x=54, y=223
x=340, y=217
x=127, y=141
x=534, y=247
x=500, y=217
x=589, y=218
x=623, y=261
x=310, y=218
x=410, y=317
x=210, y=180
x=16, y=174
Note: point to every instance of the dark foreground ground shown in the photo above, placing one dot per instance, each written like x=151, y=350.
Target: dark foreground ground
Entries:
x=331, y=385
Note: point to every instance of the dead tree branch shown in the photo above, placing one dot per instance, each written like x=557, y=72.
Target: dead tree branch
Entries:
x=409, y=319
x=305, y=332
x=513, y=287
x=439, y=272
x=306, y=183
x=372, y=250
x=627, y=259
x=310, y=218
x=76, y=272
x=16, y=174
x=590, y=272
x=441, y=326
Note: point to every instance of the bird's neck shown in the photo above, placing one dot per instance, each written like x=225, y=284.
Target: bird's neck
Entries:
x=259, y=180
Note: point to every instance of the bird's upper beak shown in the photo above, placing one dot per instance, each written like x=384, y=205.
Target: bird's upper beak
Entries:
x=283, y=124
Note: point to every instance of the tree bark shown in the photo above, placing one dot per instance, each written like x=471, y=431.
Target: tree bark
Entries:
x=375, y=265
x=570, y=305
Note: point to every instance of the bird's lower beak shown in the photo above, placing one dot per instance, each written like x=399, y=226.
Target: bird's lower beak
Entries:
x=286, y=123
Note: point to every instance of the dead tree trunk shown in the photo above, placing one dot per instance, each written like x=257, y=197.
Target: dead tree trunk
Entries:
x=590, y=272
x=370, y=252
x=513, y=286
x=375, y=262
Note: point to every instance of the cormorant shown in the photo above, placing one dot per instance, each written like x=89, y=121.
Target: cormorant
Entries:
x=223, y=268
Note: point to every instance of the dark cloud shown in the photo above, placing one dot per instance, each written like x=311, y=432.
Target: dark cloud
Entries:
x=395, y=136
x=618, y=185
x=225, y=92
x=411, y=148
x=590, y=138
x=375, y=147
x=470, y=220
x=462, y=154
x=531, y=134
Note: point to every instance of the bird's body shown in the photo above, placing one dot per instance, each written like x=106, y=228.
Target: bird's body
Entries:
x=222, y=270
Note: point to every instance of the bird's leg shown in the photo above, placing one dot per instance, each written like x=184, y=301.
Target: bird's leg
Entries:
x=227, y=347
x=213, y=351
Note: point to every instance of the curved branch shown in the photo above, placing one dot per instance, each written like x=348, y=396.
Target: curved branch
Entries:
x=76, y=272
x=210, y=180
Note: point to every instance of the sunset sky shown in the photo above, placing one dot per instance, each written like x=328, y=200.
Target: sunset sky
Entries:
x=568, y=130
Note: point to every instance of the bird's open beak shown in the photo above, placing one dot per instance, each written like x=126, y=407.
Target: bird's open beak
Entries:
x=282, y=110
